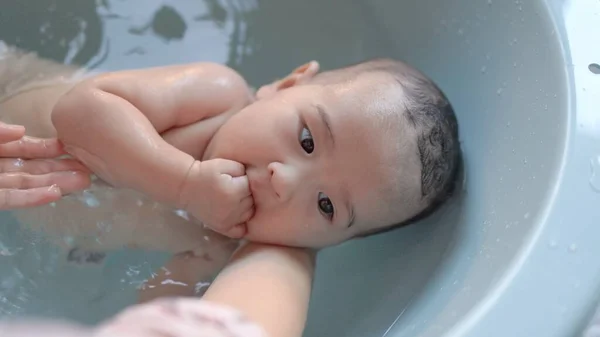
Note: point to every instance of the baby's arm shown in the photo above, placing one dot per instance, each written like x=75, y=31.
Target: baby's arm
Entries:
x=141, y=129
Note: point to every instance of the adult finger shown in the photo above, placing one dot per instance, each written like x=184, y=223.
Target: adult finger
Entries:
x=11, y=198
x=9, y=132
x=67, y=181
x=31, y=147
x=40, y=166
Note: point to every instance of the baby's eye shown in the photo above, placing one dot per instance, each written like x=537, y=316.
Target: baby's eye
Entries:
x=306, y=141
x=325, y=206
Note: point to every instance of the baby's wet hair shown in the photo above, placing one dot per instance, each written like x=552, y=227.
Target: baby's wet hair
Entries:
x=427, y=110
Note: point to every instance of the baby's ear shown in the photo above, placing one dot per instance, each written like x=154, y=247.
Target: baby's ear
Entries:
x=300, y=75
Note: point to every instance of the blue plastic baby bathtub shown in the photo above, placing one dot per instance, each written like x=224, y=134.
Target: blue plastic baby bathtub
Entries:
x=517, y=253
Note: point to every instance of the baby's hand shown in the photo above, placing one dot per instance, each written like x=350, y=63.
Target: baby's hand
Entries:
x=218, y=193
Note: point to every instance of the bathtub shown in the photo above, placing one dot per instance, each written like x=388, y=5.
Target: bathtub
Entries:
x=514, y=254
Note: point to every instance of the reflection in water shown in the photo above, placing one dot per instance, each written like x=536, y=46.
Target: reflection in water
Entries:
x=166, y=23
x=63, y=30
x=98, y=33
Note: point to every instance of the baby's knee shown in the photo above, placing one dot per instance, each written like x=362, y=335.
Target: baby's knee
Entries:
x=229, y=82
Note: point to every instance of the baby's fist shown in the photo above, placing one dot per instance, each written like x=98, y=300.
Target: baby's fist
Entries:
x=218, y=193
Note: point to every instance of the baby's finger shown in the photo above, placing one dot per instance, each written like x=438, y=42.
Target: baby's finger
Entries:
x=40, y=166
x=30, y=147
x=247, y=215
x=246, y=204
x=9, y=132
x=11, y=198
x=240, y=186
x=236, y=232
x=68, y=181
x=232, y=168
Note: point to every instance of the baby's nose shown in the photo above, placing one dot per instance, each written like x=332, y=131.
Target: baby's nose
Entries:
x=284, y=179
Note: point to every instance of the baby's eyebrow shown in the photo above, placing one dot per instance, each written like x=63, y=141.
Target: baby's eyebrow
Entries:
x=326, y=121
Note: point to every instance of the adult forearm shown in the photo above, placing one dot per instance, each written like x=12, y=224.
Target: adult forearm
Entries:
x=271, y=285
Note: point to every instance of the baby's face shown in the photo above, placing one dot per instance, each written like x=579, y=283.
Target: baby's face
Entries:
x=320, y=161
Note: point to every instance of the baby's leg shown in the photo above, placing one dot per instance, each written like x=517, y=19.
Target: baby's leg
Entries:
x=29, y=88
x=103, y=218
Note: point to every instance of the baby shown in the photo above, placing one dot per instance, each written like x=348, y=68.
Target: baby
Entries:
x=314, y=160
x=310, y=160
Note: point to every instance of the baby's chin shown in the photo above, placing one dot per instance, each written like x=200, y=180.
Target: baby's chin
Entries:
x=280, y=240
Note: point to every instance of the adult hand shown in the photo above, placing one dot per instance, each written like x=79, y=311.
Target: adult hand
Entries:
x=30, y=174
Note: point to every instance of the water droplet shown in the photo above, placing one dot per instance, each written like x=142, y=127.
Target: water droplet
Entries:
x=201, y=287
x=499, y=91
x=595, y=174
x=483, y=69
x=498, y=240
x=553, y=244
x=173, y=282
x=89, y=199
x=460, y=31
x=526, y=216
x=206, y=238
x=488, y=56
x=508, y=124
x=53, y=204
x=489, y=2
x=182, y=214
x=19, y=162
x=104, y=227
x=515, y=64
x=519, y=79
x=573, y=248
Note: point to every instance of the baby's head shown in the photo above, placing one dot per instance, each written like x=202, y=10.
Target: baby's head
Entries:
x=341, y=154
